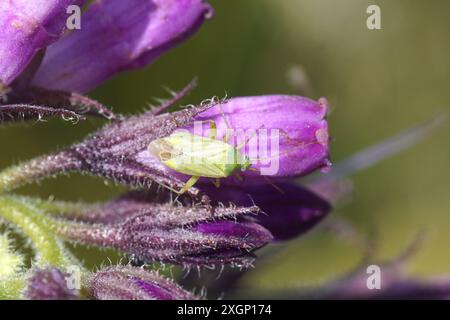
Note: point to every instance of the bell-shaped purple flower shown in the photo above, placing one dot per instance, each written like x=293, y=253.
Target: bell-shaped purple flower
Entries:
x=287, y=136
x=129, y=283
x=28, y=26
x=116, y=36
x=49, y=284
x=289, y=133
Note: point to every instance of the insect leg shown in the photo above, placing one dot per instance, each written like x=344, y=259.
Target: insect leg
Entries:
x=243, y=144
x=273, y=185
x=226, y=137
x=212, y=129
x=192, y=180
x=227, y=123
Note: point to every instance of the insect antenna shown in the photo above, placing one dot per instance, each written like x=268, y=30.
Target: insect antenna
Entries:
x=273, y=185
x=239, y=147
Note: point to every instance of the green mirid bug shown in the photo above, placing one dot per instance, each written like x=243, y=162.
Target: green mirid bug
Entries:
x=200, y=156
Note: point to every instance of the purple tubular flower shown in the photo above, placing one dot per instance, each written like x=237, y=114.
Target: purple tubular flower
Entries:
x=293, y=129
x=117, y=36
x=128, y=283
x=205, y=243
x=300, y=121
x=286, y=215
x=49, y=284
x=28, y=26
x=181, y=234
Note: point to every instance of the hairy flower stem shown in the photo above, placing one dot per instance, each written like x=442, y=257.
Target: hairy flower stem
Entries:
x=69, y=230
x=37, y=169
x=11, y=264
x=61, y=208
x=49, y=250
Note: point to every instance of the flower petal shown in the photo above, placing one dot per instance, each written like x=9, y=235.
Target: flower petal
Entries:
x=299, y=123
x=116, y=36
x=28, y=26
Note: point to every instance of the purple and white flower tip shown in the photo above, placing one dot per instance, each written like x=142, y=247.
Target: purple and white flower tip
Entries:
x=129, y=283
x=286, y=215
x=117, y=36
x=28, y=26
x=162, y=231
x=49, y=284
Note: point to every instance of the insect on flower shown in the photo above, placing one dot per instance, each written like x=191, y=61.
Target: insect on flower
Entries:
x=200, y=156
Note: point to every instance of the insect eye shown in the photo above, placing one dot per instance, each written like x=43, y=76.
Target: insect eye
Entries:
x=164, y=155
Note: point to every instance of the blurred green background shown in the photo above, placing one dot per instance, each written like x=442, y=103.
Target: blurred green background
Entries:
x=378, y=83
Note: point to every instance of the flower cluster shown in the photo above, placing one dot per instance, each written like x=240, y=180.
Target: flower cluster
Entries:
x=45, y=71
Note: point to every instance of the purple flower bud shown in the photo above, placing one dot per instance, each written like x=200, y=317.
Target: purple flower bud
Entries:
x=287, y=215
x=298, y=121
x=49, y=284
x=182, y=234
x=207, y=243
x=128, y=283
x=116, y=36
x=28, y=26
x=286, y=135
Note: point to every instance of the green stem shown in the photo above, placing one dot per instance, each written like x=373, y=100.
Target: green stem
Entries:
x=96, y=234
x=36, y=169
x=43, y=232
x=49, y=249
x=62, y=208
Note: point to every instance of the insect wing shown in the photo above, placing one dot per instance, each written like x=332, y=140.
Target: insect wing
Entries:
x=194, y=155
